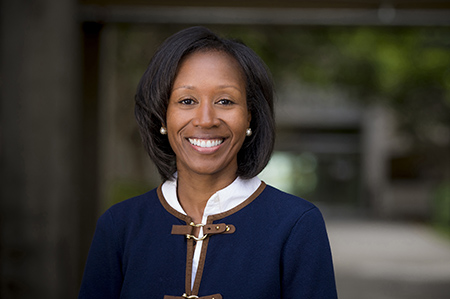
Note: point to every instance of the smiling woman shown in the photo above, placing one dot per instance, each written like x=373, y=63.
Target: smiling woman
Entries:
x=212, y=229
x=207, y=118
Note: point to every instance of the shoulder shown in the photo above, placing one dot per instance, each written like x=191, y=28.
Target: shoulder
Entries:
x=300, y=219
x=275, y=206
x=285, y=202
x=133, y=208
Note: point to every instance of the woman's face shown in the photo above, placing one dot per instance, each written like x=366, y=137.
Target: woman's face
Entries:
x=207, y=114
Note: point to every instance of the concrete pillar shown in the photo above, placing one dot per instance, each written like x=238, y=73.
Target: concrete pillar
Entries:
x=39, y=149
x=376, y=137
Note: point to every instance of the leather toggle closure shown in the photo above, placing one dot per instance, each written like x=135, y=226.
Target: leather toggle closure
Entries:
x=220, y=228
x=208, y=229
x=215, y=296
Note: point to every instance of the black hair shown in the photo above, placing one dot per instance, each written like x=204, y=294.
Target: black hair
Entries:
x=155, y=86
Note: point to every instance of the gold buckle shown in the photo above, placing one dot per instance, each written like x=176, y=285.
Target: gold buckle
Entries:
x=196, y=225
x=195, y=238
x=189, y=296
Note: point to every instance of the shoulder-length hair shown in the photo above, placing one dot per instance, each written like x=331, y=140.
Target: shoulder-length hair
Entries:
x=155, y=87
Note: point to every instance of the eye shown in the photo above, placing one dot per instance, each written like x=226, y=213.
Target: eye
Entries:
x=225, y=102
x=187, y=101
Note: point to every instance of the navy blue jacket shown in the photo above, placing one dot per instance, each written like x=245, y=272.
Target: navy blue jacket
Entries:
x=279, y=249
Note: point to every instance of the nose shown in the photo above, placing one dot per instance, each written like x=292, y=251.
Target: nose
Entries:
x=205, y=116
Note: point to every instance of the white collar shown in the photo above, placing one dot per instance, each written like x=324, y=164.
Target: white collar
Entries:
x=221, y=201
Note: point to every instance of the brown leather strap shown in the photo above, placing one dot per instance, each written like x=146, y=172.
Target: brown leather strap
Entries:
x=215, y=296
x=210, y=229
x=182, y=229
x=221, y=228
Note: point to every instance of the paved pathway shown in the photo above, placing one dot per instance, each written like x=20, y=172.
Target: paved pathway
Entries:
x=382, y=260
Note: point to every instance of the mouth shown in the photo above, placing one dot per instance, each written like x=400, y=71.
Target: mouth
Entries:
x=205, y=143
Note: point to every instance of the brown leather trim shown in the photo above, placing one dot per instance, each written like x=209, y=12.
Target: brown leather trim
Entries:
x=210, y=219
x=215, y=216
x=190, y=246
x=190, y=242
x=189, y=262
x=240, y=206
x=201, y=264
x=169, y=208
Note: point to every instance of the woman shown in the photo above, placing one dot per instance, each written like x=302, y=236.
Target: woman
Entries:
x=212, y=229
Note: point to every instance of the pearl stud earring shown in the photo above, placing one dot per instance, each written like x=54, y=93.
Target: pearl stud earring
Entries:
x=163, y=131
x=248, y=132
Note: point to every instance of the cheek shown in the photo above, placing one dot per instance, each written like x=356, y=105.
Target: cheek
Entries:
x=240, y=125
x=174, y=121
x=245, y=119
x=172, y=125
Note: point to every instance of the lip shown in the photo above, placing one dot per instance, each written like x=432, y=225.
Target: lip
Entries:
x=206, y=145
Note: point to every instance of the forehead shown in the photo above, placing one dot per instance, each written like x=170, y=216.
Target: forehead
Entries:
x=210, y=64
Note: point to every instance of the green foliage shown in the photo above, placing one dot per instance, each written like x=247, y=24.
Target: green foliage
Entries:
x=407, y=69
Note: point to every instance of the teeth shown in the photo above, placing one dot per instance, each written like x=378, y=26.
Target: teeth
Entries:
x=205, y=143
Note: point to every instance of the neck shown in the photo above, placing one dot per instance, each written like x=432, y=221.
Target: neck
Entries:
x=194, y=190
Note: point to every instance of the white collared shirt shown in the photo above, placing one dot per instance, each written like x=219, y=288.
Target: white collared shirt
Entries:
x=221, y=201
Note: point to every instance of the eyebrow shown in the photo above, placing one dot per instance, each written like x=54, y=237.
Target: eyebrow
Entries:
x=184, y=86
x=193, y=88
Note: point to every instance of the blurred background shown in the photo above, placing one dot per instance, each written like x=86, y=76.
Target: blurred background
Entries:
x=363, y=129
